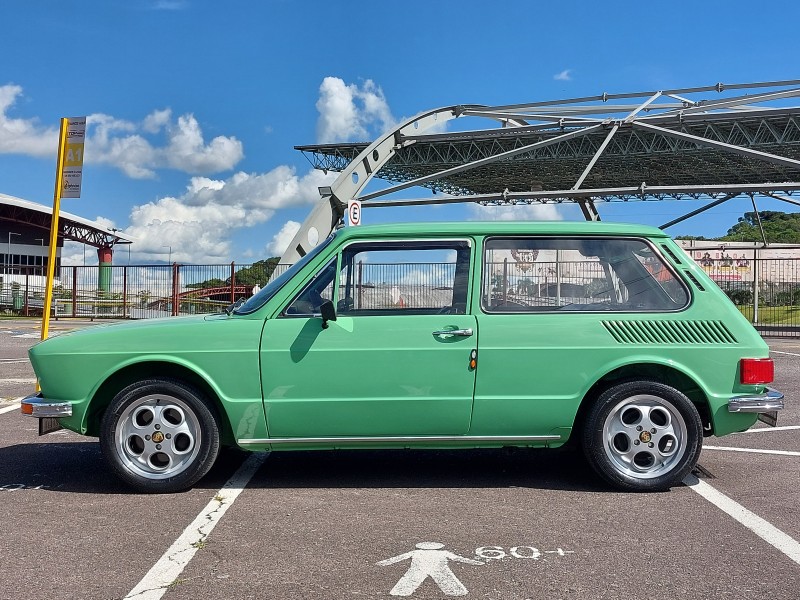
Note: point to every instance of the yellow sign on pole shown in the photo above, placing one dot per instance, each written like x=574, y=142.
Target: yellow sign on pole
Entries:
x=69, y=167
x=73, y=158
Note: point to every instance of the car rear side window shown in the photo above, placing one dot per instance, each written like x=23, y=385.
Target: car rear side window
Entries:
x=539, y=274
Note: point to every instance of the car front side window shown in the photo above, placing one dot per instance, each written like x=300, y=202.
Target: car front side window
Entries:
x=412, y=277
x=308, y=302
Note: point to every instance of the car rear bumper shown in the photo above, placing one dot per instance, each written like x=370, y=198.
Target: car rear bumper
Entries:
x=769, y=401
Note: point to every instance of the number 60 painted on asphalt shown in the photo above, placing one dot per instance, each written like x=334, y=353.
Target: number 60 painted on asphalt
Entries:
x=497, y=552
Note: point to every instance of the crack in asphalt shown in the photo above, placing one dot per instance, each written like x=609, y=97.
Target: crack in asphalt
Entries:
x=167, y=570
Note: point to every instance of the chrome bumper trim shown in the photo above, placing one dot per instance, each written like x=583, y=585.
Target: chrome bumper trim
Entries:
x=41, y=408
x=413, y=439
x=768, y=401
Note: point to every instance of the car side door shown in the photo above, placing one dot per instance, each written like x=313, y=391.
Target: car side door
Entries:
x=395, y=362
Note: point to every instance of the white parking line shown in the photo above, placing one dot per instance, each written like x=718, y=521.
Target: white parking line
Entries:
x=787, y=353
x=753, y=450
x=761, y=429
x=762, y=528
x=7, y=409
x=166, y=571
x=19, y=380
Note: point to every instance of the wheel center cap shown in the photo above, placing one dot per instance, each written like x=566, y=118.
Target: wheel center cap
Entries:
x=158, y=437
x=645, y=437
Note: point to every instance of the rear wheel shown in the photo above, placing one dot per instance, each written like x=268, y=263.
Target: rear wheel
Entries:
x=160, y=435
x=643, y=436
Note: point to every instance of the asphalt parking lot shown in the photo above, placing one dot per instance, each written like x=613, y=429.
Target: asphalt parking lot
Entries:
x=494, y=524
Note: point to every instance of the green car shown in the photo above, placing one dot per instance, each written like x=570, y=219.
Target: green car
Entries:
x=466, y=335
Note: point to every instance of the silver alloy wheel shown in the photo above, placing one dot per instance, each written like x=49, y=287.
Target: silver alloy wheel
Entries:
x=158, y=436
x=644, y=436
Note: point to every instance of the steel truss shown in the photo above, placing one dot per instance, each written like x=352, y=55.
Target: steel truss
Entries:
x=656, y=145
x=70, y=227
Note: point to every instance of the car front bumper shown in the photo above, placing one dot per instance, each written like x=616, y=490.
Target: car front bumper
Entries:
x=37, y=406
x=47, y=411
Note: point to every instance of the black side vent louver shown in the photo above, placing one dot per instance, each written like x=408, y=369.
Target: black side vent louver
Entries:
x=693, y=279
x=647, y=331
x=671, y=254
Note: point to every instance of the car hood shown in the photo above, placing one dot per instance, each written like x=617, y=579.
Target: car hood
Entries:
x=150, y=334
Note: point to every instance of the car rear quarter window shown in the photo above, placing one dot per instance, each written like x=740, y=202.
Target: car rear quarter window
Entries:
x=540, y=274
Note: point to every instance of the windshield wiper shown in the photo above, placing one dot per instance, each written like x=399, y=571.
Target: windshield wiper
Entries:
x=231, y=308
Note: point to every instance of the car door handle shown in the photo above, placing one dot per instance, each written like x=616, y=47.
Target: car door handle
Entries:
x=459, y=332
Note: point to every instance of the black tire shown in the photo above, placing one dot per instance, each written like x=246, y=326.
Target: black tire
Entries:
x=160, y=436
x=642, y=436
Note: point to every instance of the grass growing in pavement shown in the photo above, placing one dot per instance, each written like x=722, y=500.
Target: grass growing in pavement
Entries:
x=773, y=315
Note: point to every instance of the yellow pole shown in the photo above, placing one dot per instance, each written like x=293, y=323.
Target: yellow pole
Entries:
x=51, y=262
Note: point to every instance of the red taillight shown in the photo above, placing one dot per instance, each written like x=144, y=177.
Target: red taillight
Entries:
x=756, y=370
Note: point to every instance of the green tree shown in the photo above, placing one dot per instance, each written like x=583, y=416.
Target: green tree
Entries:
x=60, y=291
x=256, y=274
x=208, y=283
x=779, y=227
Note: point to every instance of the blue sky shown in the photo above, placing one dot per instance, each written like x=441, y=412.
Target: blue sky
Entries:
x=195, y=106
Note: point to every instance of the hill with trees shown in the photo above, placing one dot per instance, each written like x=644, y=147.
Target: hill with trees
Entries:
x=779, y=228
x=256, y=274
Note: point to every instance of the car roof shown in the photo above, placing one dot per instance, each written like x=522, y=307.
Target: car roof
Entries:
x=503, y=228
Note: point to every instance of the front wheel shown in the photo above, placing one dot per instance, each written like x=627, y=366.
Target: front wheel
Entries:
x=643, y=436
x=160, y=436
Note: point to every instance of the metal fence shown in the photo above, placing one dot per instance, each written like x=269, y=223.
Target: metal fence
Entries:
x=401, y=285
x=767, y=290
x=546, y=283
x=133, y=291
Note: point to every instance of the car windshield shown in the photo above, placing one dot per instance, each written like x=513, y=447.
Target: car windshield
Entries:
x=261, y=298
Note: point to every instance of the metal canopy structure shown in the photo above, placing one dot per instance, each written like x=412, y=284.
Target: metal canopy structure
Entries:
x=71, y=227
x=715, y=142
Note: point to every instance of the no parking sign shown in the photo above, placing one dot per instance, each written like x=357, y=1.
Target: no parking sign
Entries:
x=354, y=212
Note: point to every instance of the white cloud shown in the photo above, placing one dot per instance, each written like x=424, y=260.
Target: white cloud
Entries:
x=77, y=254
x=105, y=222
x=433, y=275
x=122, y=144
x=188, y=152
x=281, y=239
x=156, y=120
x=350, y=112
x=565, y=75
x=518, y=212
x=138, y=149
x=23, y=136
x=199, y=224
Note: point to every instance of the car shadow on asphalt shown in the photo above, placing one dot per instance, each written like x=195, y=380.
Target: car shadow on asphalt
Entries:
x=79, y=467
x=560, y=469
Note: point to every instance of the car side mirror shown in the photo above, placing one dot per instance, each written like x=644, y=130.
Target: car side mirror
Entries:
x=328, y=313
